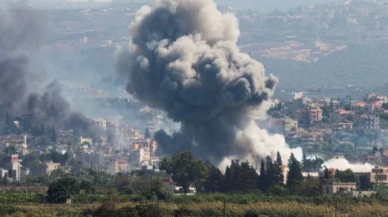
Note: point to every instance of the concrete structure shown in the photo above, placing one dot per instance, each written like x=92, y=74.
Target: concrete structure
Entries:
x=3, y=173
x=314, y=175
x=121, y=166
x=101, y=123
x=20, y=143
x=310, y=114
x=49, y=167
x=115, y=166
x=85, y=139
x=14, y=168
x=289, y=124
x=374, y=159
x=379, y=175
x=332, y=187
x=370, y=122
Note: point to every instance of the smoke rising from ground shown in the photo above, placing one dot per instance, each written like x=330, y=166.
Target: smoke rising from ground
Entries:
x=343, y=164
x=183, y=59
x=21, y=93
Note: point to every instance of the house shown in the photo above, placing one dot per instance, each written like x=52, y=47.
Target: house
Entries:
x=342, y=125
x=332, y=187
x=309, y=114
x=101, y=123
x=360, y=106
x=114, y=166
x=14, y=168
x=140, y=155
x=314, y=175
x=50, y=166
x=369, y=122
x=85, y=140
x=379, y=175
x=19, y=142
x=289, y=124
x=374, y=159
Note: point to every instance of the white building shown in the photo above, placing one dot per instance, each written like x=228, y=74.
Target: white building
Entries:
x=15, y=168
x=101, y=123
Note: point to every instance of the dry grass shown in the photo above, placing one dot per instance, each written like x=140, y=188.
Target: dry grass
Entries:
x=265, y=208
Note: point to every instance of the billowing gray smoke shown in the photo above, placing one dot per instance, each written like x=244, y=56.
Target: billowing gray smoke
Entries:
x=21, y=31
x=183, y=59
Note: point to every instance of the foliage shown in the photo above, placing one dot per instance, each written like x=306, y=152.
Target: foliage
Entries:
x=214, y=181
x=63, y=189
x=346, y=176
x=240, y=177
x=294, y=176
x=185, y=169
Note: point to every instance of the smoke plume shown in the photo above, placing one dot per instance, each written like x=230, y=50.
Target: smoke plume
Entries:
x=21, y=93
x=183, y=58
x=343, y=164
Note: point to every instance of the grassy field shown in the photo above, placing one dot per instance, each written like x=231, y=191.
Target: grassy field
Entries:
x=205, y=209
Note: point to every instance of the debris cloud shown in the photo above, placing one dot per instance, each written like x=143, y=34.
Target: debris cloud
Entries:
x=183, y=58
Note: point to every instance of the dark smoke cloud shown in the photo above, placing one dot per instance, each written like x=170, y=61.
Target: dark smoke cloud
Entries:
x=183, y=59
x=21, y=33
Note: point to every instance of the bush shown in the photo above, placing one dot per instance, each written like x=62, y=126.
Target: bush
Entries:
x=107, y=209
x=152, y=211
x=63, y=189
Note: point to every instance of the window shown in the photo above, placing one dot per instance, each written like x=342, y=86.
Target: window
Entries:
x=327, y=190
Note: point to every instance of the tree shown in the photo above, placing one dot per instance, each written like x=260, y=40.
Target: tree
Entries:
x=229, y=180
x=326, y=174
x=262, y=181
x=346, y=176
x=375, y=149
x=278, y=172
x=63, y=189
x=10, y=150
x=279, y=159
x=185, y=169
x=214, y=180
x=248, y=178
x=294, y=176
x=310, y=188
x=270, y=172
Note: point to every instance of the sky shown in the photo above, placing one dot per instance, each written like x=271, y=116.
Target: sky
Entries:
x=267, y=5
x=258, y=5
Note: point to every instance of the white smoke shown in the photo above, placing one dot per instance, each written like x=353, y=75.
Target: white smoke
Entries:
x=344, y=164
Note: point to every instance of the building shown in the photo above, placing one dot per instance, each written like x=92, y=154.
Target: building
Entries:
x=20, y=143
x=49, y=167
x=310, y=114
x=342, y=125
x=313, y=175
x=3, y=173
x=332, y=187
x=85, y=140
x=101, y=123
x=115, y=166
x=374, y=159
x=289, y=124
x=14, y=168
x=370, y=122
x=360, y=106
x=379, y=175
x=121, y=166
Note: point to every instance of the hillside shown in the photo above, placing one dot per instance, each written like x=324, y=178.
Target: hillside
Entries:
x=361, y=65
